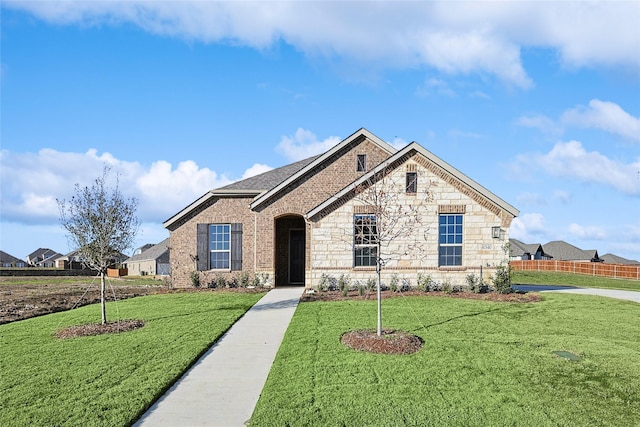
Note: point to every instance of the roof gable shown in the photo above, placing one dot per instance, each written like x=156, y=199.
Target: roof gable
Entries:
x=563, y=251
x=433, y=163
x=153, y=253
x=265, y=186
x=317, y=161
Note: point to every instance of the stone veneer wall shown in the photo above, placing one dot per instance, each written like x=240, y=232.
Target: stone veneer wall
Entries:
x=331, y=238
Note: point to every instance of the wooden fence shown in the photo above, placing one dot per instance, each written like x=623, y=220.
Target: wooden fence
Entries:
x=617, y=271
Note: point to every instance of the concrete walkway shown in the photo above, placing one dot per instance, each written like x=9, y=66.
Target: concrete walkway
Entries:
x=611, y=293
x=223, y=387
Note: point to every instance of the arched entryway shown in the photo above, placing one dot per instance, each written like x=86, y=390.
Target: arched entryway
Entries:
x=290, y=250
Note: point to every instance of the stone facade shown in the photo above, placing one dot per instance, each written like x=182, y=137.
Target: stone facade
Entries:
x=331, y=237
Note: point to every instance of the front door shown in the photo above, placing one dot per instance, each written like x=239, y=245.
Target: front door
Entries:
x=296, y=257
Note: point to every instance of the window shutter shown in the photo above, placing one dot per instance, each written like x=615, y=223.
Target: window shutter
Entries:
x=236, y=247
x=202, y=247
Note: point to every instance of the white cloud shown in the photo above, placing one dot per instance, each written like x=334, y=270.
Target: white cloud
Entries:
x=437, y=86
x=528, y=227
x=587, y=232
x=459, y=38
x=531, y=199
x=33, y=181
x=562, y=196
x=256, y=169
x=606, y=116
x=399, y=143
x=303, y=144
x=540, y=122
x=571, y=160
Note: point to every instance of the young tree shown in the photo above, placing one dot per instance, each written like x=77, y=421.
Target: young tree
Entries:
x=101, y=223
x=395, y=210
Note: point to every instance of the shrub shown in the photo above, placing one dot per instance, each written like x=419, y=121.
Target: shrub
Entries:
x=473, y=282
x=502, y=279
x=424, y=282
x=446, y=286
x=405, y=285
x=244, y=279
x=218, y=282
x=195, y=279
x=343, y=283
x=325, y=282
x=371, y=284
x=393, y=284
x=361, y=289
x=234, y=282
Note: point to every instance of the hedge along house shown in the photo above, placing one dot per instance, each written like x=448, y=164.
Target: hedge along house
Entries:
x=309, y=220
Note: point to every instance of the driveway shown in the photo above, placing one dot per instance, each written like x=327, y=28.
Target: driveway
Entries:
x=611, y=293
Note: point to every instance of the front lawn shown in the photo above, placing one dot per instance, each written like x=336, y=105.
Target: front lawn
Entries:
x=568, y=279
x=107, y=379
x=483, y=364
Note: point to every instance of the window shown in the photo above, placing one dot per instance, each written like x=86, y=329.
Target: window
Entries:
x=219, y=246
x=365, y=233
x=450, y=243
x=412, y=182
x=361, y=163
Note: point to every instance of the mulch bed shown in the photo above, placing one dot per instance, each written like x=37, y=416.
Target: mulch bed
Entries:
x=390, y=342
x=99, y=328
x=371, y=295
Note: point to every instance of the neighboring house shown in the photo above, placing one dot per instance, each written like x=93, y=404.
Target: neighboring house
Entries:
x=524, y=251
x=154, y=260
x=7, y=260
x=142, y=248
x=73, y=261
x=43, y=257
x=304, y=222
x=563, y=251
x=615, y=259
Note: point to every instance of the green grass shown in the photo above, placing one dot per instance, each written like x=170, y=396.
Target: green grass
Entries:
x=483, y=364
x=107, y=379
x=568, y=279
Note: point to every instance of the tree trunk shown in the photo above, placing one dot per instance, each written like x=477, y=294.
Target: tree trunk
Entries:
x=378, y=268
x=103, y=302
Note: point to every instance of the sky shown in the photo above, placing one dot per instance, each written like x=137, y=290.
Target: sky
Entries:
x=537, y=101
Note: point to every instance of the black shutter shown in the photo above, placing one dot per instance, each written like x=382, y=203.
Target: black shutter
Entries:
x=202, y=247
x=236, y=247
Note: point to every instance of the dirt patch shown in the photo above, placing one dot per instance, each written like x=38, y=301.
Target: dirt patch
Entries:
x=389, y=342
x=371, y=295
x=99, y=329
x=22, y=301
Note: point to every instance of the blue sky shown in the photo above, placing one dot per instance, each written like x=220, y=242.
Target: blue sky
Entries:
x=537, y=101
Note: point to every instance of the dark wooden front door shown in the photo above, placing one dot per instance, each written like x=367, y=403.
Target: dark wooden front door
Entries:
x=296, y=257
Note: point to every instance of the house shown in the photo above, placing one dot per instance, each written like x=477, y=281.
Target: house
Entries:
x=43, y=257
x=306, y=221
x=73, y=260
x=7, y=260
x=154, y=260
x=563, y=251
x=615, y=259
x=524, y=251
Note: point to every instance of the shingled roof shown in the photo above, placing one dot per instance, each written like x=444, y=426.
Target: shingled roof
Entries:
x=267, y=180
x=615, y=259
x=518, y=248
x=563, y=251
x=153, y=253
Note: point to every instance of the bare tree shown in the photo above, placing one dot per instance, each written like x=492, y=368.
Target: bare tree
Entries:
x=101, y=223
x=395, y=209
